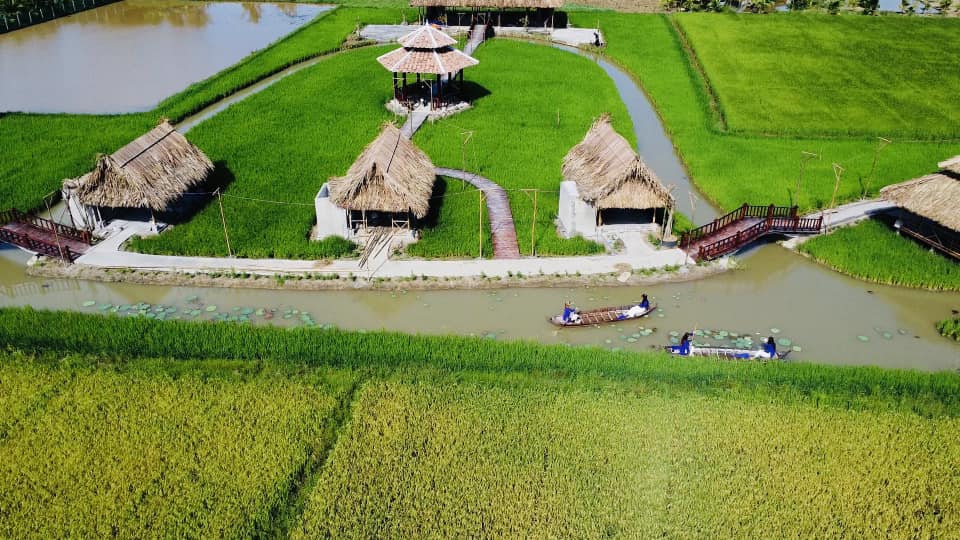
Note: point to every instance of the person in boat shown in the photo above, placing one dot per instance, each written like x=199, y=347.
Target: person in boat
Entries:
x=570, y=314
x=683, y=349
x=637, y=309
x=769, y=349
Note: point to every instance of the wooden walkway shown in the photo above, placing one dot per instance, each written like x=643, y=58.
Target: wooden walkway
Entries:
x=498, y=209
x=43, y=236
x=729, y=233
x=478, y=34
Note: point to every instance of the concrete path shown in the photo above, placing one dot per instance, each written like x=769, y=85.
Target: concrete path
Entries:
x=498, y=209
x=477, y=36
x=840, y=216
x=415, y=119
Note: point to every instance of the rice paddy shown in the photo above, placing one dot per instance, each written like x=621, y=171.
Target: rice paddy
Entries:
x=874, y=252
x=950, y=328
x=814, y=75
x=733, y=168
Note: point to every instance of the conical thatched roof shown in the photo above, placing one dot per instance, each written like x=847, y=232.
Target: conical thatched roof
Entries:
x=426, y=37
x=150, y=172
x=610, y=174
x=391, y=175
x=935, y=196
x=501, y=4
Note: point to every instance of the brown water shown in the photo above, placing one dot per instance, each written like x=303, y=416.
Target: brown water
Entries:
x=820, y=311
x=128, y=56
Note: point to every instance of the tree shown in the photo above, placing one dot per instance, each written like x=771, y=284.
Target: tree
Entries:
x=869, y=6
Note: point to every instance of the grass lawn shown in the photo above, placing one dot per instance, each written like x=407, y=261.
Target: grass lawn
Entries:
x=40, y=150
x=734, y=168
x=514, y=136
x=246, y=431
x=810, y=74
x=872, y=251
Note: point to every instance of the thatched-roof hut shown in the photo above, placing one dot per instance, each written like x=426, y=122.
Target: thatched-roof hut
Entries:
x=426, y=51
x=389, y=182
x=604, y=172
x=151, y=172
x=932, y=206
x=497, y=12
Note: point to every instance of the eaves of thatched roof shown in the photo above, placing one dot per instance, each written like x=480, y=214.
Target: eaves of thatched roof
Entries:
x=610, y=174
x=498, y=4
x=440, y=61
x=390, y=175
x=934, y=196
x=151, y=172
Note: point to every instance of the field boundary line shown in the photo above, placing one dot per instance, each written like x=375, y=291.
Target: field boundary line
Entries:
x=714, y=106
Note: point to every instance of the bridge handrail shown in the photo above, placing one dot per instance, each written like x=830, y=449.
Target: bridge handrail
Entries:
x=743, y=212
x=39, y=246
x=65, y=231
x=771, y=224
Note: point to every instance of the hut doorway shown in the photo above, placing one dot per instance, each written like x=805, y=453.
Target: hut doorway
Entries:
x=629, y=216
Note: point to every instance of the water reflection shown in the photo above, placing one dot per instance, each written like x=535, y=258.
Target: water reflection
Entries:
x=128, y=56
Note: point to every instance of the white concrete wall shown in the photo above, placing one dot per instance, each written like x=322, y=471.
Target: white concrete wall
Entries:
x=331, y=219
x=576, y=217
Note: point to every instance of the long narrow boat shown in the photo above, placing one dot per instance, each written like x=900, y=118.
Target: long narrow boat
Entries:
x=730, y=353
x=602, y=316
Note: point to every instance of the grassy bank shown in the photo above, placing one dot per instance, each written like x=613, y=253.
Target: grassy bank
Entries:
x=263, y=431
x=540, y=103
x=873, y=251
x=813, y=75
x=734, y=168
x=40, y=150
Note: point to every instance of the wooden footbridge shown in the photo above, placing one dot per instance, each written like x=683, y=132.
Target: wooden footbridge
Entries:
x=43, y=236
x=729, y=233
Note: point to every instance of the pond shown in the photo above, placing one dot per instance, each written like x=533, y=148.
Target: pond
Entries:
x=128, y=56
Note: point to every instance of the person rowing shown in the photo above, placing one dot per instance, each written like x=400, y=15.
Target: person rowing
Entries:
x=570, y=314
x=637, y=310
x=684, y=348
x=769, y=349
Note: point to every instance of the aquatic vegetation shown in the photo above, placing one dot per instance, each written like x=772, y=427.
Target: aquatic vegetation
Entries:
x=950, y=328
x=137, y=452
x=733, y=168
x=874, y=252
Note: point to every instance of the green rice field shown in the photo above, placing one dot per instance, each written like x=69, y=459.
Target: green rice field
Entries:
x=733, y=168
x=804, y=74
x=262, y=431
x=873, y=251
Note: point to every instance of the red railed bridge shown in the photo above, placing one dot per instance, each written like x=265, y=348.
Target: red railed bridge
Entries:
x=731, y=232
x=43, y=236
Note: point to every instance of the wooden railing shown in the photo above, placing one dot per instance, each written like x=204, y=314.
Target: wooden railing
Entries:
x=52, y=227
x=744, y=212
x=769, y=225
x=38, y=246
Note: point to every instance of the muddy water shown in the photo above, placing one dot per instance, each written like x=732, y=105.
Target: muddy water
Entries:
x=821, y=312
x=128, y=56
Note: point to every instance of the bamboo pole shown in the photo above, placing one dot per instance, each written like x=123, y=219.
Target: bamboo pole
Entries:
x=837, y=172
x=881, y=144
x=223, y=219
x=56, y=233
x=533, y=226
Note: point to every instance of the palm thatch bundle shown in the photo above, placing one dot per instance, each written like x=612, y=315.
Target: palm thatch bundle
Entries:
x=498, y=4
x=151, y=172
x=610, y=174
x=934, y=196
x=391, y=175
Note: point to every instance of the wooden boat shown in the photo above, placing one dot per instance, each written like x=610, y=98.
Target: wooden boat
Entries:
x=602, y=316
x=730, y=353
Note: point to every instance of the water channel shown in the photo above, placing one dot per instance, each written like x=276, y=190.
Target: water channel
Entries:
x=128, y=56
x=829, y=317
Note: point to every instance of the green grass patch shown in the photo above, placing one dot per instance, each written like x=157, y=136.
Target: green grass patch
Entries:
x=949, y=328
x=448, y=458
x=277, y=148
x=872, y=251
x=733, y=168
x=135, y=453
x=810, y=74
x=454, y=220
x=540, y=103
x=40, y=150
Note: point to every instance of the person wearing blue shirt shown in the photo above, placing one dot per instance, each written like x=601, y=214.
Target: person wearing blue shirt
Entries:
x=570, y=314
x=683, y=349
x=770, y=348
x=644, y=303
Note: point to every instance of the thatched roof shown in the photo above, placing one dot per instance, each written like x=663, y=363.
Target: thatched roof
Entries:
x=610, y=174
x=426, y=37
x=391, y=175
x=150, y=172
x=499, y=4
x=440, y=61
x=935, y=196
